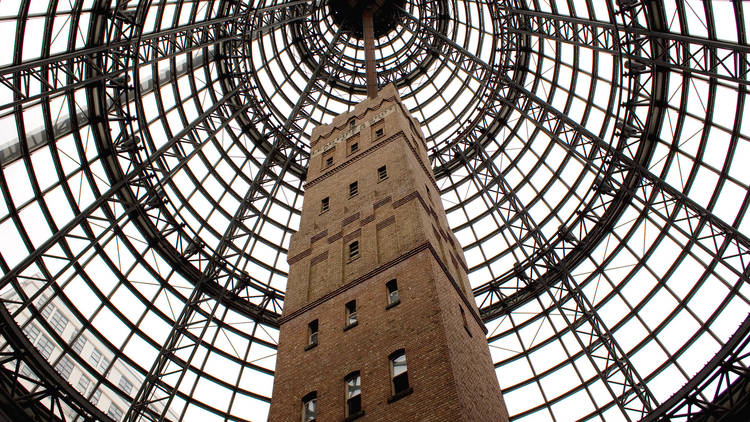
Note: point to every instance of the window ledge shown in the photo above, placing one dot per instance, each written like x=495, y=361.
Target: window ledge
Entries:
x=352, y=259
x=383, y=179
x=391, y=305
x=355, y=416
x=310, y=346
x=400, y=395
x=350, y=326
x=468, y=331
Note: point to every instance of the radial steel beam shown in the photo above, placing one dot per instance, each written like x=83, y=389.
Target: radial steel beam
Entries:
x=62, y=72
x=692, y=55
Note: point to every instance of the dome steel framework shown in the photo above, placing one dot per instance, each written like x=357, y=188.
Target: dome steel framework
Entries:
x=591, y=154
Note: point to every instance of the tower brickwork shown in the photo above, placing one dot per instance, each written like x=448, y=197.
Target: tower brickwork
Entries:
x=376, y=277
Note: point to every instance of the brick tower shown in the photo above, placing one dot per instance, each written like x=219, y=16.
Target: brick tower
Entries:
x=379, y=321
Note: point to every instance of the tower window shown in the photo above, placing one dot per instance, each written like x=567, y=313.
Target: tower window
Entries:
x=399, y=375
x=351, y=124
x=354, y=250
x=325, y=204
x=382, y=173
x=353, y=189
x=328, y=158
x=392, y=289
x=310, y=407
x=378, y=128
x=353, y=395
x=351, y=314
x=354, y=148
x=463, y=317
x=312, y=334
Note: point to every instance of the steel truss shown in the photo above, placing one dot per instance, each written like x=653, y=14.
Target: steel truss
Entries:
x=139, y=170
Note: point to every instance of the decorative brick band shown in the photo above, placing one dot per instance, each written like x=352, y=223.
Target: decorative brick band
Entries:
x=359, y=280
x=405, y=199
x=367, y=220
x=320, y=258
x=319, y=236
x=335, y=237
x=348, y=220
x=381, y=202
x=353, y=235
x=299, y=256
x=385, y=223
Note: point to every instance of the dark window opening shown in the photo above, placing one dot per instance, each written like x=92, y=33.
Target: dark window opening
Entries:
x=392, y=288
x=353, y=250
x=310, y=407
x=354, y=148
x=379, y=132
x=399, y=373
x=382, y=173
x=463, y=317
x=351, y=313
x=353, y=189
x=353, y=394
x=325, y=204
x=312, y=333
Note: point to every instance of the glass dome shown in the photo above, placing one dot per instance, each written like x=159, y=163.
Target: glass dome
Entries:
x=590, y=154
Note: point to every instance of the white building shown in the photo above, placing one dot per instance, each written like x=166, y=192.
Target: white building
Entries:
x=85, y=348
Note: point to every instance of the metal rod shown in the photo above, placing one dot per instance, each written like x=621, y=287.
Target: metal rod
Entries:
x=368, y=32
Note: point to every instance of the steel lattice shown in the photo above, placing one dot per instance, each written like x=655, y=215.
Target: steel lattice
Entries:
x=590, y=155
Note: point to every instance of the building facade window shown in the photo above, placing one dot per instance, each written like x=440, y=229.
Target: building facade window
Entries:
x=382, y=173
x=64, y=367
x=391, y=288
x=312, y=334
x=83, y=383
x=95, y=356
x=354, y=250
x=96, y=396
x=31, y=331
x=399, y=374
x=114, y=412
x=79, y=343
x=325, y=204
x=125, y=385
x=353, y=395
x=47, y=311
x=45, y=346
x=351, y=313
x=310, y=407
x=353, y=189
x=59, y=322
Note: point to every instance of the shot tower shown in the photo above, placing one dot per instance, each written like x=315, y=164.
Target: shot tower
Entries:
x=379, y=320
